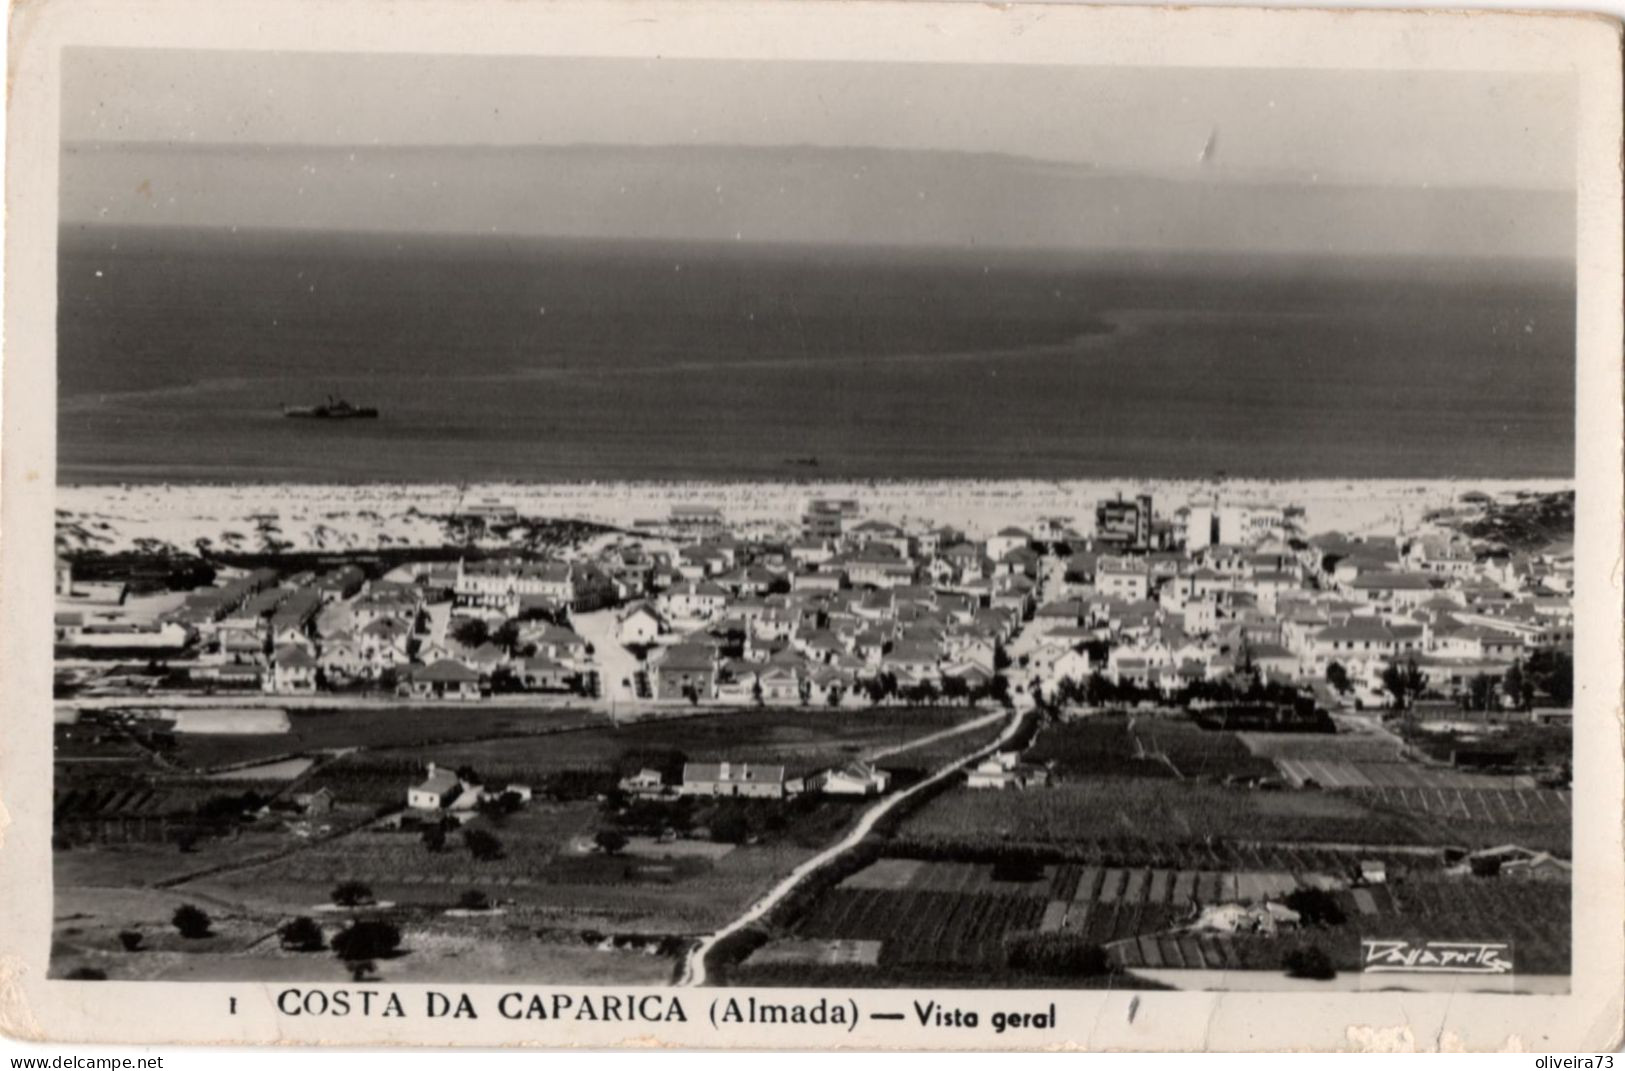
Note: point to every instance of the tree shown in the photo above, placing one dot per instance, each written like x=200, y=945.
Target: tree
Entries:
x=836, y=694
x=1481, y=692
x=1518, y=687
x=506, y=635
x=1338, y=678
x=471, y=631
x=756, y=691
x=302, y=934
x=1000, y=689
x=1553, y=673
x=366, y=939
x=131, y=940
x=692, y=694
x=926, y=693
x=468, y=775
x=352, y=893
x=482, y=845
x=955, y=689
x=434, y=838
x=192, y=922
x=1404, y=681
x=612, y=841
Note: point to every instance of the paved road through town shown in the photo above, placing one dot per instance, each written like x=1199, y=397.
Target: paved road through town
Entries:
x=693, y=972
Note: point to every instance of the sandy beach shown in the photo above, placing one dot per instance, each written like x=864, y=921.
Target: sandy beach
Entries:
x=354, y=517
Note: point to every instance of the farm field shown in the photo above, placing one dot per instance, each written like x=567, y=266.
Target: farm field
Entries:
x=550, y=870
x=803, y=740
x=1155, y=746
x=1537, y=818
x=1328, y=773
x=943, y=917
x=244, y=948
x=1147, y=812
x=404, y=726
x=138, y=864
x=1511, y=807
x=1362, y=744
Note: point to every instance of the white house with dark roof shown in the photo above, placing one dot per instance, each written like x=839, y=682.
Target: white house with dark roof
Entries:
x=641, y=626
x=437, y=791
x=293, y=671
x=444, y=679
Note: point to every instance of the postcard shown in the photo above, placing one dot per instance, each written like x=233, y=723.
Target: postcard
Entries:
x=902, y=525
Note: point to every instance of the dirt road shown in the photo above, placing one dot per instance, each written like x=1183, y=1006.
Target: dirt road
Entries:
x=693, y=971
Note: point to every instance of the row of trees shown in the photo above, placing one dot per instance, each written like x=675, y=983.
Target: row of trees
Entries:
x=1098, y=690
x=884, y=686
x=1547, y=671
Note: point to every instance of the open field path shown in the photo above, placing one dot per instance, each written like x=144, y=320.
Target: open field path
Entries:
x=910, y=745
x=693, y=969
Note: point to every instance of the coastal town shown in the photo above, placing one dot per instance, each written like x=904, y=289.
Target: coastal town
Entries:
x=847, y=610
x=690, y=706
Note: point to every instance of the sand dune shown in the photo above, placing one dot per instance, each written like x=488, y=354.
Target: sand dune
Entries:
x=336, y=517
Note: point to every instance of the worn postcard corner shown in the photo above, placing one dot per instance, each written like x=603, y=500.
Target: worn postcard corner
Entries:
x=837, y=526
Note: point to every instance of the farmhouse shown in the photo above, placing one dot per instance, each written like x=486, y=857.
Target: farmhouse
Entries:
x=1006, y=770
x=646, y=782
x=856, y=778
x=732, y=779
x=437, y=791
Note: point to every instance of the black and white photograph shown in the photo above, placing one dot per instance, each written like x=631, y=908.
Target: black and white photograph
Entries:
x=653, y=523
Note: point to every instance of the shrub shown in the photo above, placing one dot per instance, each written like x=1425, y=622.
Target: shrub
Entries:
x=434, y=839
x=1056, y=953
x=612, y=841
x=482, y=845
x=730, y=827
x=1022, y=868
x=1309, y=961
x=131, y=940
x=192, y=922
x=474, y=900
x=302, y=934
x=1315, y=907
x=366, y=939
x=352, y=893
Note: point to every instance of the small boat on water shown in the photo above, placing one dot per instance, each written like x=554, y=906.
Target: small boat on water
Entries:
x=334, y=408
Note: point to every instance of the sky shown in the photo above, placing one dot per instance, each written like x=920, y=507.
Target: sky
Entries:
x=1475, y=164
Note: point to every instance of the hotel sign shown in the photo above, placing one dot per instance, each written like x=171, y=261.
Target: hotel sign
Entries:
x=1436, y=957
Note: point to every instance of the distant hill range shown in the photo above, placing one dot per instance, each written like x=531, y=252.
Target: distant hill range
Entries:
x=800, y=194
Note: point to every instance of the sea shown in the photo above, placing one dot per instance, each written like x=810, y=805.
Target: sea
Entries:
x=500, y=359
